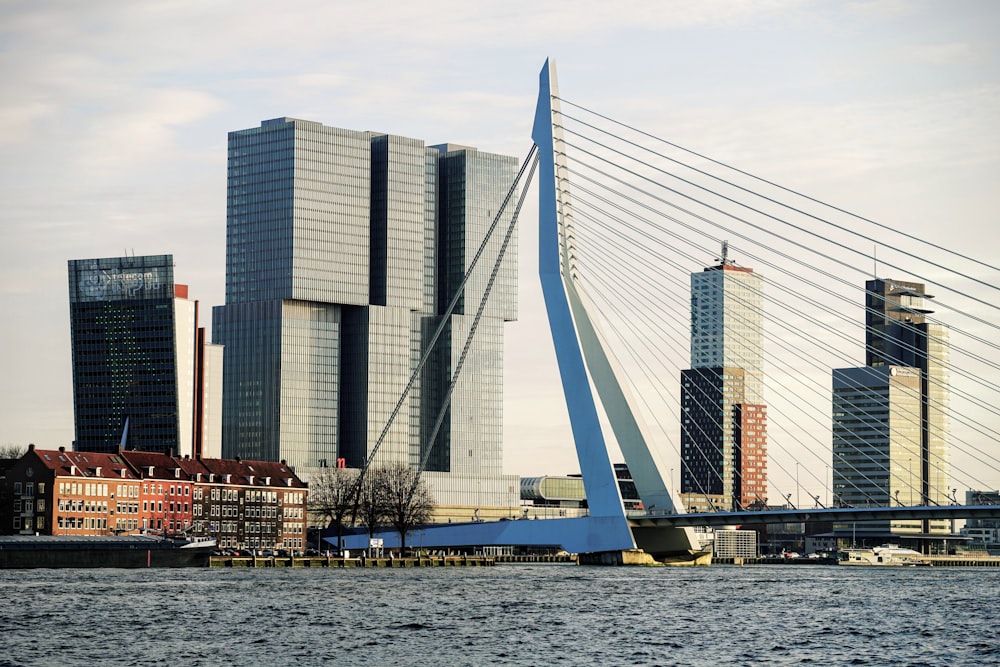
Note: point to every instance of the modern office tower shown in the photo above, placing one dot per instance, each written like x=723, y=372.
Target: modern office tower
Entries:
x=876, y=440
x=134, y=348
x=724, y=420
x=343, y=251
x=897, y=332
x=890, y=419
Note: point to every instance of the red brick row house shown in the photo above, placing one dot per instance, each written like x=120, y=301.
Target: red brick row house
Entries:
x=243, y=504
x=248, y=504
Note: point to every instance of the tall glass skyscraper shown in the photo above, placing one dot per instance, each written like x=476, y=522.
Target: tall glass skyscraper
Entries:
x=723, y=420
x=890, y=417
x=343, y=251
x=134, y=356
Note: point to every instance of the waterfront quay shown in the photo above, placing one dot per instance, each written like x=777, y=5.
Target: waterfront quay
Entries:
x=421, y=561
x=934, y=561
x=323, y=561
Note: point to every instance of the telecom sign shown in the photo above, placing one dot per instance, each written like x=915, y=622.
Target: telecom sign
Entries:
x=121, y=278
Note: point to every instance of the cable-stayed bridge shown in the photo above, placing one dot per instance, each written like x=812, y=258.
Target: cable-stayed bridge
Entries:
x=824, y=514
x=627, y=221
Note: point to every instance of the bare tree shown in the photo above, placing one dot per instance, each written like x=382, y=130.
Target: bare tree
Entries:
x=370, y=501
x=12, y=451
x=408, y=501
x=331, y=497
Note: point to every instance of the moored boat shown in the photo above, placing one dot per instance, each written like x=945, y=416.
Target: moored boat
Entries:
x=130, y=551
x=887, y=554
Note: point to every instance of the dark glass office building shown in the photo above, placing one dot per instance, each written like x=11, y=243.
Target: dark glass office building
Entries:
x=133, y=343
x=343, y=250
x=891, y=424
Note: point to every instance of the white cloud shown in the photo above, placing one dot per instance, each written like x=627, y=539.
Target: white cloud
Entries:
x=142, y=129
x=938, y=54
x=18, y=117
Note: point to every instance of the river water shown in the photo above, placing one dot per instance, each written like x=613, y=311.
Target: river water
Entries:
x=502, y=615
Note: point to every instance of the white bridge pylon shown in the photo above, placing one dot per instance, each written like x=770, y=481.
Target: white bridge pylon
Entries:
x=584, y=357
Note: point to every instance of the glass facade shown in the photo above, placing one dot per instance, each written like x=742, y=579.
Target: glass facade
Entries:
x=398, y=219
x=723, y=420
x=129, y=337
x=343, y=251
x=251, y=399
x=376, y=366
x=897, y=337
x=297, y=222
x=726, y=329
x=876, y=441
x=473, y=185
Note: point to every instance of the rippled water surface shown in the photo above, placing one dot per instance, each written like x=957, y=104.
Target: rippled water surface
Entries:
x=503, y=615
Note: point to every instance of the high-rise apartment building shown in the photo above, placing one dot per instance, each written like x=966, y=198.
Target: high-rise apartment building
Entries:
x=724, y=419
x=890, y=417
x=343, y=251
x=135, y=352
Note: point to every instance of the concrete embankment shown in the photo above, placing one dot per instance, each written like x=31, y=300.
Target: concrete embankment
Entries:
x=963, y=561
x=320, y=561
x=934, y=561
x=536, y=558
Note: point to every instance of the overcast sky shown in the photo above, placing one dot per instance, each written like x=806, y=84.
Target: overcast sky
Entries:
x=113, y=122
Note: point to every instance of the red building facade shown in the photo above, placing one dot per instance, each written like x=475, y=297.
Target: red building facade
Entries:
x=244, y=504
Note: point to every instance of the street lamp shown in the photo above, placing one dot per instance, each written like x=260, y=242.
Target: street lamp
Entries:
x=827, y=482
x=796, y=485
x=909, y=465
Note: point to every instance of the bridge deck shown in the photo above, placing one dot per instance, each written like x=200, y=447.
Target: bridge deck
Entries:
x=835, y=514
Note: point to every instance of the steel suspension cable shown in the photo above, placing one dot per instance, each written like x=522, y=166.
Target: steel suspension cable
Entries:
x=791, y=191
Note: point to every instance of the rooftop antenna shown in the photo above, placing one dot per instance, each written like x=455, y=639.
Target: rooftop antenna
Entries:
x=725, y=253
x=875, y=260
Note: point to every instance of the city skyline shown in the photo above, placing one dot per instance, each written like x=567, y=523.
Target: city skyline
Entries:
x=345, y=251
x=849, y=103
